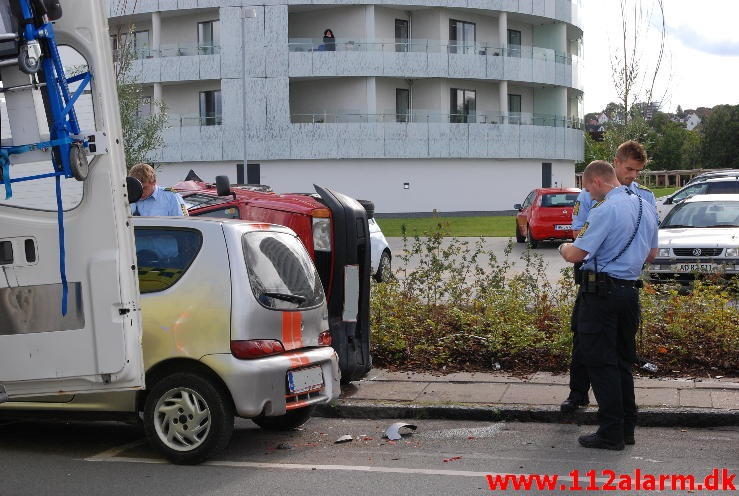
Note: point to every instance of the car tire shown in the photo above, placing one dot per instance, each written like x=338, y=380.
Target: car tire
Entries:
x=530, y=241
x=384, y=268
x=291, y=420
x=519, y=238
x=179, y=408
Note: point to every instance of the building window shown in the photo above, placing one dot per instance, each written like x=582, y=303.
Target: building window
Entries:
x=138, y=44
x=209, y=37
x=402, y=104
x=514, y=43
x=401, y=35
x=144, y=109
x=210, y=108
x=462, y=106
x=461, y=36
x=514, y=109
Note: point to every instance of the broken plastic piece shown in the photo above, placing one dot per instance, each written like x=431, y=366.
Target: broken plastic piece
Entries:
x=284, y=446
x=393, y=432
x=344, y=439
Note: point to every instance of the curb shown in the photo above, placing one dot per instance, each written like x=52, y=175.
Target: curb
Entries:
x=648, y=417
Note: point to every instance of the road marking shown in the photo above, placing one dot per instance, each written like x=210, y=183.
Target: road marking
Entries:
x=111, y=453
x=345, y=468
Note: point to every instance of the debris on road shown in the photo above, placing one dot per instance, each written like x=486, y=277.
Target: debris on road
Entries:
x=447, y=460
x=284, y=446
x=344, y=439
x=393, y=432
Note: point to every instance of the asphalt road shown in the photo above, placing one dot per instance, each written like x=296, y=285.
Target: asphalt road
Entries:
x=547, y=250
x=442, y=457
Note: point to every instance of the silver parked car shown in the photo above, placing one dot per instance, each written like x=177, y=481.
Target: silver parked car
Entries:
x=700, y=235
x=235, y=324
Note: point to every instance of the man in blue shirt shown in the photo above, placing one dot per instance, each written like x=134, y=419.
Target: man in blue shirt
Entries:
x=630, y=159
x=155, y=200
x=618, y=237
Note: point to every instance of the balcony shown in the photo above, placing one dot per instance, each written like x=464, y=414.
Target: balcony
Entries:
x=366, y=137
x=432, y=58
x=177, y=63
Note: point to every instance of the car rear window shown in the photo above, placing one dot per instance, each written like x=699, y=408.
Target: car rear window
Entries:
x=723, y=187
x=558, y=199
x=164, y=255
x=281, y=274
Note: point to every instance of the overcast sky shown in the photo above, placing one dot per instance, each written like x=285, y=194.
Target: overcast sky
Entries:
x=702, y=59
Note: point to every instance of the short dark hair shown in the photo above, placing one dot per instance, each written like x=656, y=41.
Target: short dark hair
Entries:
x=599, y=168
x=631, y=150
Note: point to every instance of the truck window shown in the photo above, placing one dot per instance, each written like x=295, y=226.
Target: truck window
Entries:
x=164, y=255
x=222, y=213
x=281, y=274
x=40, y=194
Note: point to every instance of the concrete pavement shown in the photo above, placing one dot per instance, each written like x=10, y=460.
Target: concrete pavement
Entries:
x=499, y=396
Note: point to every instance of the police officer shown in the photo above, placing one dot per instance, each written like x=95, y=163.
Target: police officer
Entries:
x=630, y=159
x=155, y=200
x=618, y=237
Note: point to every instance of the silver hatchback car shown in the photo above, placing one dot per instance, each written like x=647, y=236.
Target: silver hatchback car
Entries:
x=235, y=324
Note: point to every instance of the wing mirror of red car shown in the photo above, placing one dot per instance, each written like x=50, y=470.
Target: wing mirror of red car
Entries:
x=518, y=207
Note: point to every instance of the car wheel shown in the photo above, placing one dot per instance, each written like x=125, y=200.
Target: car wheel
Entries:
x=519, y=238
x=188, y=418
x=384, y=268
x=530, y=241
x=291, y=420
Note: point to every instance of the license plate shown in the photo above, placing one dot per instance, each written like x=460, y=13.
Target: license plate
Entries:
x=302, y=380
x=567, y=227
x=695, y=267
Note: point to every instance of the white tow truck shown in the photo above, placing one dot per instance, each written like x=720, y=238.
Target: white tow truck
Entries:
x=69, y=302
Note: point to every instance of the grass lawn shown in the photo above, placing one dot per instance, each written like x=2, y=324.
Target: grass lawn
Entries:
x=501, y=225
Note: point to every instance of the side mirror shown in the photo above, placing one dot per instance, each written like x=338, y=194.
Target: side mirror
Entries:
x=668, y=200
x=223, y=186
x=134, y=189
x=518, y=207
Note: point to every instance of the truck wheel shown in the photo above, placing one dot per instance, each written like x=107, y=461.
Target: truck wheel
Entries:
x=519, y=238
x=188, y=418
x=384, y=268
x=291, y=420
x=530, y=241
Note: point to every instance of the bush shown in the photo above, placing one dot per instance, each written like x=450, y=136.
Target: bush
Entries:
x=465, y=308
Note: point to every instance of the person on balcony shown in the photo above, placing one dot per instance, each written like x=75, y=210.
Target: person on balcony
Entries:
x=329, y=42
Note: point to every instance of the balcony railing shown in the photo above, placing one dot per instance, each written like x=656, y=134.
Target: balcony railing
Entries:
x=173, y=51
x=429, y=46
x=187, y=120
x=428, y=116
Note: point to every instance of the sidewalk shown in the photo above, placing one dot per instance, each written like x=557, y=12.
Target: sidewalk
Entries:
x=497, y=396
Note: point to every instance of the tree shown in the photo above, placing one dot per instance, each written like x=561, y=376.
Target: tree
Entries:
x=633, y=77
x=720, y=147
x=667, y=150
x=142, y=134
x=690, y=152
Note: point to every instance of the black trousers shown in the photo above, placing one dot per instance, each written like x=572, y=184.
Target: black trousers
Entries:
x=606, y=329
x=579, y=380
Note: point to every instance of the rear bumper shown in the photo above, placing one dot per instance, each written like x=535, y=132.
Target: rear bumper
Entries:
x=259, y=387
x=545, y=232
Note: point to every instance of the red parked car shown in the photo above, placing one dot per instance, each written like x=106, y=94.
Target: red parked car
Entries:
x=545, y=214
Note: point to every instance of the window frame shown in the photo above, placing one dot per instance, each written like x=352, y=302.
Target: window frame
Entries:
x=206, y=47
x=463, y=118
x=467, y=45
x=217, y=119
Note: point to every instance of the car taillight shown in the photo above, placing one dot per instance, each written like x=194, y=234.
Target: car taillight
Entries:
x=324, y=339
x=256, y=348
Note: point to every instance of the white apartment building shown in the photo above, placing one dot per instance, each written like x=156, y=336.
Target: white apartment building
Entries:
x=419, y=105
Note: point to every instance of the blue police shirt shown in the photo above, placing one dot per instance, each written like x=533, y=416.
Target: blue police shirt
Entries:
x=608, y=229
x=161, y=202
x=584, y=203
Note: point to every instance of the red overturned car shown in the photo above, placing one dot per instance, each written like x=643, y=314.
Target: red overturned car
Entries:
x=545, y=214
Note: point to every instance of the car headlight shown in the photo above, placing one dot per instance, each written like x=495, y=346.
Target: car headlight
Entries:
x=732, y=252
x=664, y=253
x=321, y=234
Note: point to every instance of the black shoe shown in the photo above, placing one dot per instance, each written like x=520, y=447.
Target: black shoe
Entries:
x=629, y=439
x=571, y=404
x=595, y=441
